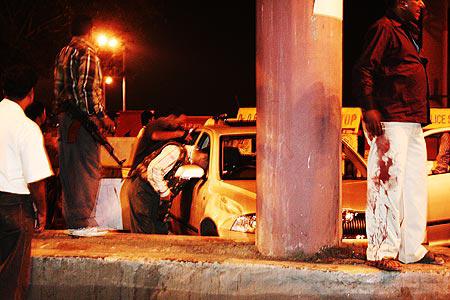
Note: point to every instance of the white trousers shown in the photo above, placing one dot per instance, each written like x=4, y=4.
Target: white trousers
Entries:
x=396, y=211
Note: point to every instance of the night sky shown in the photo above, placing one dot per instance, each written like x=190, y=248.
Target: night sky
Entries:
x=199, y=55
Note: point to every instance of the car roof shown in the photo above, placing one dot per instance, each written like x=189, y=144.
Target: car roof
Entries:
x=225, y=129
x=432, y=131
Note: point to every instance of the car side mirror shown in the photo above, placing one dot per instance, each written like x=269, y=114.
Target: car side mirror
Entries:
x=189, y=171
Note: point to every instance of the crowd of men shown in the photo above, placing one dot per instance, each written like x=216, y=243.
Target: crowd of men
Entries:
x=26, y=172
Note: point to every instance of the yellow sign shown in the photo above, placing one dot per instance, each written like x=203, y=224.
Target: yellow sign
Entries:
x=351, y=119
x=247, y=114
x=440, y=117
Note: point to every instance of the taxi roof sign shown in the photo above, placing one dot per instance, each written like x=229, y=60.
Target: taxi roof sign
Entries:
x=246, y=114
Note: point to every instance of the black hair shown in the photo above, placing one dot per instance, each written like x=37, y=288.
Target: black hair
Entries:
x=146, y=116
x=35, y=110
x=18, y=80
x=81, y=25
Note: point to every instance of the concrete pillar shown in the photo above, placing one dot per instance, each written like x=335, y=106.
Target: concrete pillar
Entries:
x=299, y=88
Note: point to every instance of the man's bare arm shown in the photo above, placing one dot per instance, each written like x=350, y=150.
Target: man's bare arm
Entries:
x=38, y=194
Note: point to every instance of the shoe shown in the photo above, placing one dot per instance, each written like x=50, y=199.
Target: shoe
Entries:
x=387, y=264
x=431, y=259
x=87, y=232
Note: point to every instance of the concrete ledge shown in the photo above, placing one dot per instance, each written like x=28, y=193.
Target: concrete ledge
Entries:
x=127, y=266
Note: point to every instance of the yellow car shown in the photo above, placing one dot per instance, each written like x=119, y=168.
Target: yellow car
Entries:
x=223, y=202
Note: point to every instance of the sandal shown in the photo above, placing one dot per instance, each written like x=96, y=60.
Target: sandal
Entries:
x=386, y=264
x=431, y=259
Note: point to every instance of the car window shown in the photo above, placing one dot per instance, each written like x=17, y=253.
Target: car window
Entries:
x=238, y=157
x=433, y=142
x=353, y=166
x=438, y=153
x=204, y=146
x=204, y=143
x=349, y=169
x=194, y=136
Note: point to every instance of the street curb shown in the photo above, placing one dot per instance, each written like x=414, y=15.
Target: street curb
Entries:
x=118, y=278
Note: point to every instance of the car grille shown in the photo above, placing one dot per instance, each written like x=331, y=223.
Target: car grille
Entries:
x=356, y=228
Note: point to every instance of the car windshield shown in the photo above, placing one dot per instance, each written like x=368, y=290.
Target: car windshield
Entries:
x=238, y=157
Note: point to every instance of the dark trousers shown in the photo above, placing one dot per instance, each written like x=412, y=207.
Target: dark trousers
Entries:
x=79, y=162
x=16, y=231
x=144, y=207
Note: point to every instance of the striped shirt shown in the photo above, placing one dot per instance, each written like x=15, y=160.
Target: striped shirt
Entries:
x=78, y=77
x=160, y=166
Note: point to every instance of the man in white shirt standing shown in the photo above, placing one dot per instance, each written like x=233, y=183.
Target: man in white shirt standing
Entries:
x=23, y=167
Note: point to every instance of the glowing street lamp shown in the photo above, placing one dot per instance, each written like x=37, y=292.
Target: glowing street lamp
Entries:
x=102, y=40
x=108, y=80
x=111, y=43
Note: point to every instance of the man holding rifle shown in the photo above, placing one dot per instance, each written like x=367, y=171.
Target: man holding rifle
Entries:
x=78, y=83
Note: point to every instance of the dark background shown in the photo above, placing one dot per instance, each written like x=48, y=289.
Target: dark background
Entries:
x=199, y=55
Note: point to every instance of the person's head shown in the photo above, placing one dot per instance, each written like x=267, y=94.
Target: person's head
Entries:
x=410, y=10
x=198, y=157
x=18, y=84
x=81, y=25
x=36, y=112
x=147, y=116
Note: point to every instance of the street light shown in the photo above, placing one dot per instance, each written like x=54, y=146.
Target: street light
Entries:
x=102, y=40
x=108, y=80
x=111, y=43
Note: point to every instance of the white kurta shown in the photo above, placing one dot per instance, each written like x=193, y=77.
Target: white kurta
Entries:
x=396, y=211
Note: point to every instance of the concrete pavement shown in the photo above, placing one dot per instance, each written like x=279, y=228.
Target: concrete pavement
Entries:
x=130, y=266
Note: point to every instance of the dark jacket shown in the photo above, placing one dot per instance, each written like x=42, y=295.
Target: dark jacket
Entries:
x=390, y=75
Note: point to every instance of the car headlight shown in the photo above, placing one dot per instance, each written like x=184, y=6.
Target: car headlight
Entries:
x=348, y=216
x=353, y=224
x=245, y=223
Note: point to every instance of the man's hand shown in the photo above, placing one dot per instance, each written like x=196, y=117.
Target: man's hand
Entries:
x=108, y=124
x=188, y=130
x=372, y=118
x=40, y=225
x=167, y=198
x=37, y=190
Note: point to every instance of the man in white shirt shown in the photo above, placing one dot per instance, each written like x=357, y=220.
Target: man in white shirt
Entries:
x=150, y=184
x=23, y=167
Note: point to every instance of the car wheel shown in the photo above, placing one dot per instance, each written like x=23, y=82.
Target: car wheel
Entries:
x=208, y=228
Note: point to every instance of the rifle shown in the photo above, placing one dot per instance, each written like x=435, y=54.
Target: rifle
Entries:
x=76, y=113
x=176, y=185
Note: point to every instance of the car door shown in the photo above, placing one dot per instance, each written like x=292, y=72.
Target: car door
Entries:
x=185, y=205
x=354, y=179
x=200, y=189
x=438, y=184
